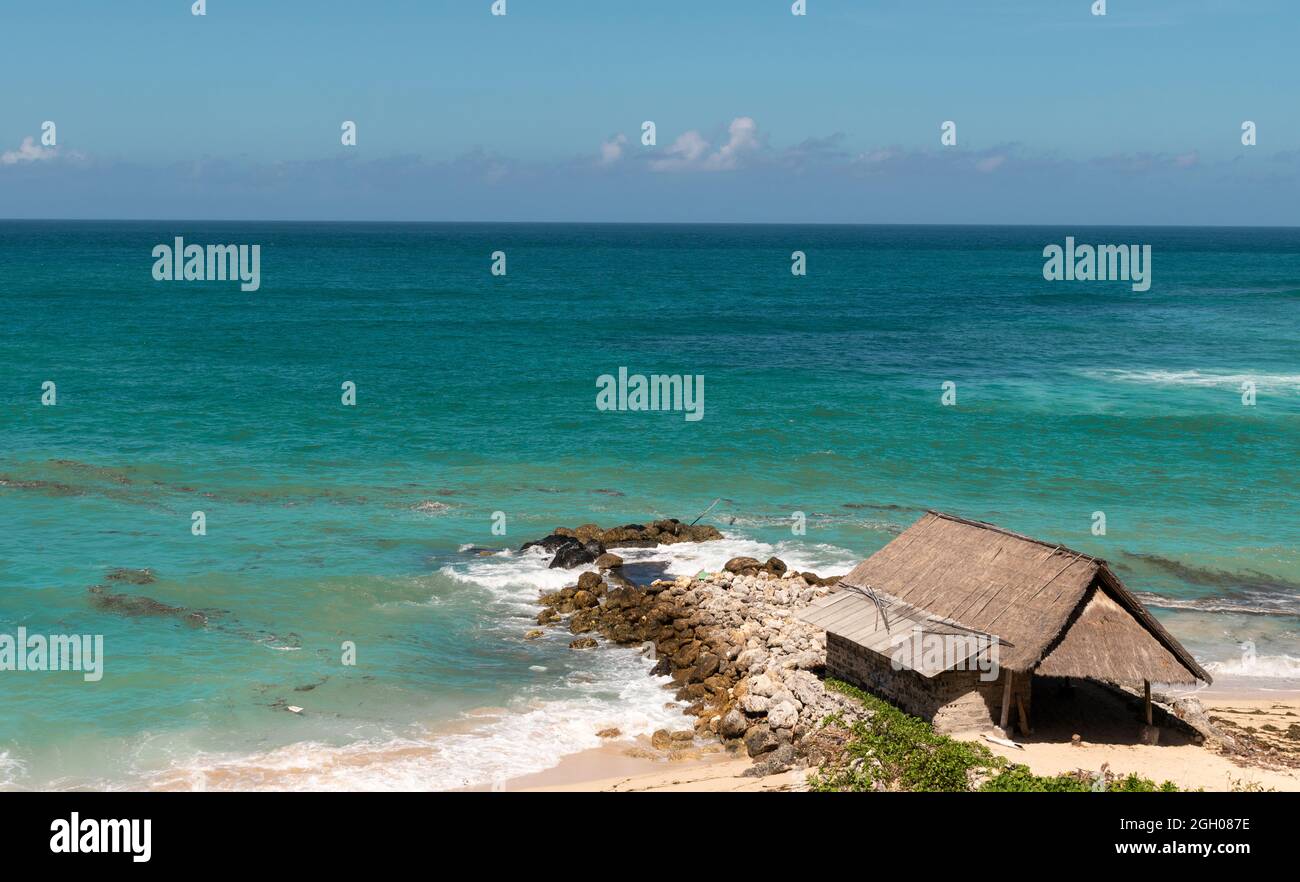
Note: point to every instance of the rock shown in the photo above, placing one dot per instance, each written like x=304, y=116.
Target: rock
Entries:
x=584, y=643
x=589, y=581
x=584, y=621
x=706, y=665
x=548, y=615
x=683, y=735
x=570, y=556
x=132, y=605
x=759, y=740
x=551, y=543
x=774, y=565
x=745, y=566
x=733, y=724
x=663, y=667
x=782, y=715
x=661, y=739
x=534, y=634
x=584, y=599
x=752, y=660
x=609, y=561
x=133, y=577
x=779, y=760
x=762, y=684
x=755, y=704
x=609, y=733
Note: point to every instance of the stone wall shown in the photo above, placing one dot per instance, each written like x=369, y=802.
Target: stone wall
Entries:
x=954, y=701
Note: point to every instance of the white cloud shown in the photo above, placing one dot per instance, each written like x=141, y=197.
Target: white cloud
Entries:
x=28, y=151
x=691, y=152
x=611, y=151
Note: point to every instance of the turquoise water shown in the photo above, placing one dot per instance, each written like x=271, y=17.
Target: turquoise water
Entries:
x=476, y=394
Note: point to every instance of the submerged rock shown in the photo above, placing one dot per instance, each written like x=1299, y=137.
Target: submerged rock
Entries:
x=133, y=577
x=133, y=605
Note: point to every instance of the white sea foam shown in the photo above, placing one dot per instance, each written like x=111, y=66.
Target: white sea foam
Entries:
x=494, y=748
x=1264, y=666
x=11, y=770
x=611, y=689
x=1263, y=382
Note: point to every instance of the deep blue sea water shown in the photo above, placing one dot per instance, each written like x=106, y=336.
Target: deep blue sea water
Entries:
x=476, y=394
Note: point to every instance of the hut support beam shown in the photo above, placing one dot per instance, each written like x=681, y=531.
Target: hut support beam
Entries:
x=1006, y=702
x=1146, y=701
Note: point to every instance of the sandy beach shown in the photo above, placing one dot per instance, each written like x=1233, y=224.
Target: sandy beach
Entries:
x=629, y=767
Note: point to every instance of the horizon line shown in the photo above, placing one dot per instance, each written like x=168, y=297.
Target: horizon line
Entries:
x=607, y=223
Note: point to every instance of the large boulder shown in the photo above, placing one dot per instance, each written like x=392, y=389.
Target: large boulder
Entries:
x=577, y=554
x=775, y=566
x=742, y=566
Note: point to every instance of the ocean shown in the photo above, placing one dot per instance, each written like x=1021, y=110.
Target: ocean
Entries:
x=330, y=525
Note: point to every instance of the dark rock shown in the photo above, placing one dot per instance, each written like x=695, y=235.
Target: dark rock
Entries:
x=584, y=643
x=132, y=605
x=779, y=760
x=583, y=621
x=662, y=668
x=588, y=581
x=706, y=665
x=759, y=740
x=570, y=556
x=775, y=566
x=742, y=566
x=553, y=542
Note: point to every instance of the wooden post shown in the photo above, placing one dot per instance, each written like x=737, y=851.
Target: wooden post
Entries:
x=1006, y=701
x=1024, y=717
x=1146, y=700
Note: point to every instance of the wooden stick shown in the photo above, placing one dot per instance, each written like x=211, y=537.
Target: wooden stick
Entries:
x=1006, y=701
x=1146, y=700
x=1024, y=717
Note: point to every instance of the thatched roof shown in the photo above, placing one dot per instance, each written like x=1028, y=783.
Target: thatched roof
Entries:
x=1056, y=611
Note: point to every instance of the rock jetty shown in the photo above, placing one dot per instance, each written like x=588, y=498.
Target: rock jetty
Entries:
x=729, y=640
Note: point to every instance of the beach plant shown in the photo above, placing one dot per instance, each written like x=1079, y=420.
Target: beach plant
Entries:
x=893, y=750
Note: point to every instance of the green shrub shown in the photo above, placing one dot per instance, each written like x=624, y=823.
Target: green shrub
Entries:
x=892, y=750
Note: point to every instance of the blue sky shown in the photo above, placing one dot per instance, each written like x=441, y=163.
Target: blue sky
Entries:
x=1063, y=117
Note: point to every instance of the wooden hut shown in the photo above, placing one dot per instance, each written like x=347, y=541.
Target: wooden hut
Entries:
x=1006, y=608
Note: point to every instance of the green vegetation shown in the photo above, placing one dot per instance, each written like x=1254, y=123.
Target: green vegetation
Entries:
x=891, y=750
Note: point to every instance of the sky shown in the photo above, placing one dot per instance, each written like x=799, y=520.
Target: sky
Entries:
x=1062, y=116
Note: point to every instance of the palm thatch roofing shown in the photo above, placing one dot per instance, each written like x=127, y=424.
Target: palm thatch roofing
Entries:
x=1054, y=611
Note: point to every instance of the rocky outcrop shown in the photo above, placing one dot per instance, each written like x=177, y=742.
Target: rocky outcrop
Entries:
x=589, y=542
x=749, y=671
